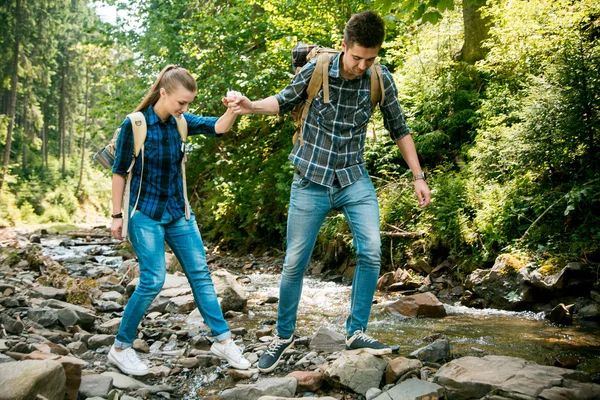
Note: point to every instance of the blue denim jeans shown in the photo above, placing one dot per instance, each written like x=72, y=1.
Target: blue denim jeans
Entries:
x=309, y=205
x=183, y=236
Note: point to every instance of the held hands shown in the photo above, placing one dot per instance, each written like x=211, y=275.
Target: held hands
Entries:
x=116, y=228
x=237, y=103
x=423, y=193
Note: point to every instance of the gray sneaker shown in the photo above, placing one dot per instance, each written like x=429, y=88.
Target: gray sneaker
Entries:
x=360, y=340
x=272, y=355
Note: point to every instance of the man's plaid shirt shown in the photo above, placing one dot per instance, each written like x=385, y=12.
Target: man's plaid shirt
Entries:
x=335, y=133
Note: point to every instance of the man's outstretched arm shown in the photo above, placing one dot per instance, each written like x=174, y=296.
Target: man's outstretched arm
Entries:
x=241, y=105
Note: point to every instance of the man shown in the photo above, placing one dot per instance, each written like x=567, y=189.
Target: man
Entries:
x=330, y=174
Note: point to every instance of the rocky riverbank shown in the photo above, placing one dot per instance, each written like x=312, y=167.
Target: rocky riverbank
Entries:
x=59, y=316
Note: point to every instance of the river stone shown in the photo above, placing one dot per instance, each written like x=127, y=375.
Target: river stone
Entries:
x=85, y=317
x=400, y=366
x=124, y=382
x=109, y=306
x=50, y=292
x=43, y=316
x=308, y=381
x=12, y=325
x=327, y=341
x=560, y=315
x=284, y=387
x=413, y=389
x=356, y=370
x=180, y=304
x=95, y=385
x=473, y=377
x=590, y=312
x=100, y=340
x=436, y=351
x=111, y=296
x=418, y=305
x=25, y=380
x=229, y=291
x=110, y=327
x=385, y=280
x=171, y=281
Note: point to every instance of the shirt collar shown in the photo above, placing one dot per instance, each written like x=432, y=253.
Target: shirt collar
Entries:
x=336, y=66
x=152, y=118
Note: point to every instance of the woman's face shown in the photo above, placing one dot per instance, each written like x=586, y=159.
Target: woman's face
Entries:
x=178, y=101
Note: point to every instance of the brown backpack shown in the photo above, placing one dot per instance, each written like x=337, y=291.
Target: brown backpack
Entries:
x=301, y=54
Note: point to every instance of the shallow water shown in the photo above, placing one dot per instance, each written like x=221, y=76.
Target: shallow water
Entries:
x=470, y=331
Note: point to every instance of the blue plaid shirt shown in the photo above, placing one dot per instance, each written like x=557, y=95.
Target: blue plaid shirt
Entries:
x=335, y=133
x=162, y=185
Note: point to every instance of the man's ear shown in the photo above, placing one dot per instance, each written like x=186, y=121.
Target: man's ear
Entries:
x=343, y=46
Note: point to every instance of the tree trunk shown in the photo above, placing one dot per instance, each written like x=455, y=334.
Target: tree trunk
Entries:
x=13, y=95
x=62, y=116
x=85, y=127
x=45, y=138
x=476, y=30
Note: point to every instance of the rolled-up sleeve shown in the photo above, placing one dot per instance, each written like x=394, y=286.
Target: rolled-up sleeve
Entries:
x=201, y=125
x=295, y=92
x=393, y=116
x=124, y=150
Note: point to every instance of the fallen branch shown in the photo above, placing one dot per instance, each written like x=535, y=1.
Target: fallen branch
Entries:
x=540, y=217
x=402, y=234
x=89, y=234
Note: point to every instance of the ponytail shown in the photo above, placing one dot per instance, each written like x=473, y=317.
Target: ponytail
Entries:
x=169, y=78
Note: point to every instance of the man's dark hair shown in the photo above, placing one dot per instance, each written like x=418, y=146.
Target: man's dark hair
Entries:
x=367, y=29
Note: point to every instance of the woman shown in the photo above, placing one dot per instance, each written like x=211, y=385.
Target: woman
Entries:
x=159, y=215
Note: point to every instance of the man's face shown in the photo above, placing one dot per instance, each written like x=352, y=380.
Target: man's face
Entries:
x=357, y=59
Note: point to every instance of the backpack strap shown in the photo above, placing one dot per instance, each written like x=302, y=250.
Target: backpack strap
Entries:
x=377, y=90
x=319, y=77
x=140, y=130
x=182, y=128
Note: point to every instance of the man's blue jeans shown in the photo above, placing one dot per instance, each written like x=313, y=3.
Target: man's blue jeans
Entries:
x=183, y=236
x=309, y=205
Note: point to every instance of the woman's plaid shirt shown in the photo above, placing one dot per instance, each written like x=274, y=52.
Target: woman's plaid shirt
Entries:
x=162, y=185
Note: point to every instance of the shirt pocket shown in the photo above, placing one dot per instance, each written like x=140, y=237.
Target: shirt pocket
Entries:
x=151, y=150
x=363, y=110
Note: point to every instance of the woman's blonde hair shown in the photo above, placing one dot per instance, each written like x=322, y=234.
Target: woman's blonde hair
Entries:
x=169, y=78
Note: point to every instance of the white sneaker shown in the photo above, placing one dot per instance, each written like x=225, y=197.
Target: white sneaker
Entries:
x=127, y=361
x=231, y=353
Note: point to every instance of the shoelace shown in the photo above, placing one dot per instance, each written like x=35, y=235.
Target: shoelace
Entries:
x=233, y=350
x=272, y=349
x=132, y=356
x=363, y=336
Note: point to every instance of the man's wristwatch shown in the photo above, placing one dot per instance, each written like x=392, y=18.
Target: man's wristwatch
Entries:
x=420, y=176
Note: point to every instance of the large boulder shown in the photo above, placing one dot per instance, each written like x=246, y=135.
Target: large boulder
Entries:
x=327, y=340
x=26, y=380
x=356, y=370
x=474, y=378
x=418, y=305
x=506, y=286
x=229, y=291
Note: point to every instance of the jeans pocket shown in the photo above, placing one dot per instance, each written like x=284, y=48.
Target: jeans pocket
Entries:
x=300, y=182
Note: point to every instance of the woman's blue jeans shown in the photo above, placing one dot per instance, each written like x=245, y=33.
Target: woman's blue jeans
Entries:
x=183, y=236
x=309, y=205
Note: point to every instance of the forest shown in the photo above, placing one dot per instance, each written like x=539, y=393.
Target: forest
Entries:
x=502, y=98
